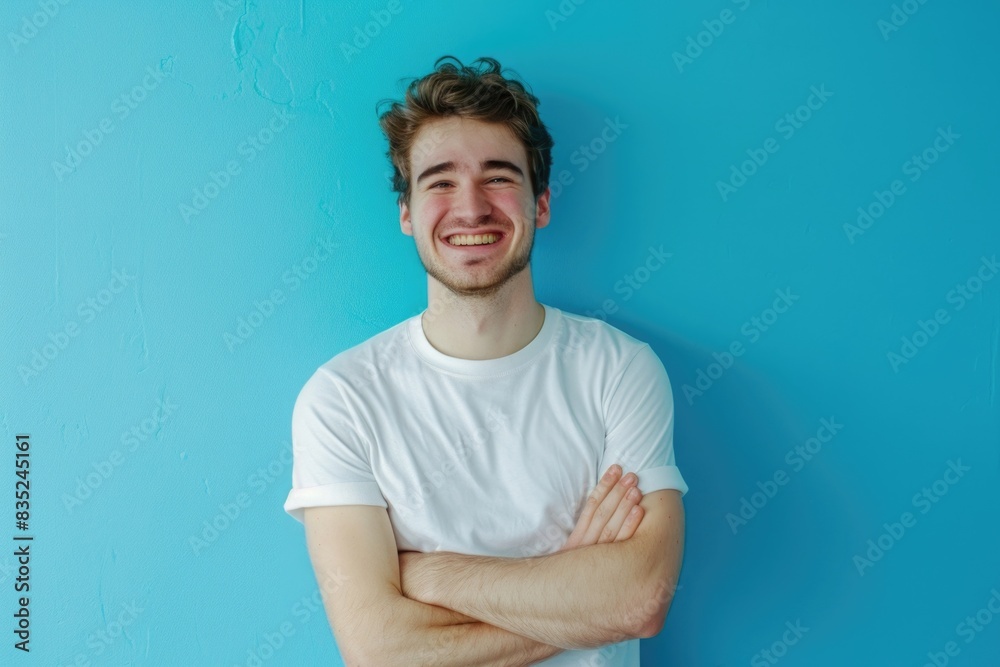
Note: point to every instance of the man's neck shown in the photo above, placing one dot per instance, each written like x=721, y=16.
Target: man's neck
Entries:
x=491, y=327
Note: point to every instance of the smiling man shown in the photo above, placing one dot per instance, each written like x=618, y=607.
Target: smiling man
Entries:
x=459, y=475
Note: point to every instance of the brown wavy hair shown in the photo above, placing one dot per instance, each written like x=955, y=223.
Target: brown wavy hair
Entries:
x=479, y=93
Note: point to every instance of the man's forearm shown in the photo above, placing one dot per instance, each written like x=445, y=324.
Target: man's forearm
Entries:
x=479, y=644
x=441, y=637
x=581, y=598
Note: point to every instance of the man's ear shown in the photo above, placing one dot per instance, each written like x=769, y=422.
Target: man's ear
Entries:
x=543, y=213
x=404, y=218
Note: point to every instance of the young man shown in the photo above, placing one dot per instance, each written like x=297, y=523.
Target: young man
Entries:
x=458, y=474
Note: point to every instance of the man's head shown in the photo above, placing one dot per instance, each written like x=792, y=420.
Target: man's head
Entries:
x=471, y=156
x=470, y=92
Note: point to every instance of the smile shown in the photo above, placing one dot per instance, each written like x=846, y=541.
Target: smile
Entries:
x=473, y=239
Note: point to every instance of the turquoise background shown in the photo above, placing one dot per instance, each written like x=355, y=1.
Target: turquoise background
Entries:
x=181, y=421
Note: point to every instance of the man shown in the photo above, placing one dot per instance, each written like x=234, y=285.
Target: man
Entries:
x=441, y=464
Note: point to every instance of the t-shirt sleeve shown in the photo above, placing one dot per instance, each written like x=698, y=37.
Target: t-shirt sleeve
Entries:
x=639, y=426
x=330, y=463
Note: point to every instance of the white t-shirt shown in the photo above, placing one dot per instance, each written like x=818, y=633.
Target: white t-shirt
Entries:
x=485, y=457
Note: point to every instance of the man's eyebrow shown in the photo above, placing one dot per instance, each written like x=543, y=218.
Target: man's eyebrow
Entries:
x=502, y=164
x=485, y=165
x=436, y=169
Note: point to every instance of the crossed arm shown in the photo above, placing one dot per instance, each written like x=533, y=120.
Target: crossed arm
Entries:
x=388, y=609
x=586, y=597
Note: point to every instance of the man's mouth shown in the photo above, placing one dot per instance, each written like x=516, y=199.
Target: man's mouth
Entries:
x=473, y=239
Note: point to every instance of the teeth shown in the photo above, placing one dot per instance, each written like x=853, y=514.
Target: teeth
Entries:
x=473, y=239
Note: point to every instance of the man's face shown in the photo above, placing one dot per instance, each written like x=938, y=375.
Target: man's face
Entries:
x=469, y=177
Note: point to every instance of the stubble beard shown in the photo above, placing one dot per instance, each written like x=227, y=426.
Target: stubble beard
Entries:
x=461, y=288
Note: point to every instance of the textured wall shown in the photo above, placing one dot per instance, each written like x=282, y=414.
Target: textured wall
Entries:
x=195, y=214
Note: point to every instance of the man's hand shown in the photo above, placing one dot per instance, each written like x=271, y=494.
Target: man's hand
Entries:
x=612, y=512
x=527, y=596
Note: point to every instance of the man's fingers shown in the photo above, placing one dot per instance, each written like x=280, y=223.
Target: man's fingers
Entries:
x=632, y=522
x=617, y=520
x=597, y=496
x=607, y=508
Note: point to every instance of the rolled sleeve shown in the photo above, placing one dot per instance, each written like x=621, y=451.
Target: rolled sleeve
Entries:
x=640, y=425
x=330, y=455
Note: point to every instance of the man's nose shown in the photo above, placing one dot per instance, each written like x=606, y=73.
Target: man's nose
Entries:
x=471, y=204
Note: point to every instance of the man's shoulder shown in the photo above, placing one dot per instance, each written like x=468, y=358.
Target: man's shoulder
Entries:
x=599, y=337
x=359, y=363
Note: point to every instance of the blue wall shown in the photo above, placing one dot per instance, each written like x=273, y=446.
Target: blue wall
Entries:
x=196, y=214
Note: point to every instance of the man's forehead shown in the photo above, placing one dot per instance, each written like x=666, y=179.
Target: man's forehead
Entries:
x=465, y=142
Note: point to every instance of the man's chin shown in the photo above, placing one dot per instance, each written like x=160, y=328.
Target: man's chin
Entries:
x=480, y=288
x=482, y=285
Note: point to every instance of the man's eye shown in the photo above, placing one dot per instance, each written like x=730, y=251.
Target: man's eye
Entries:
x=441, y=183
x=500, y=178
